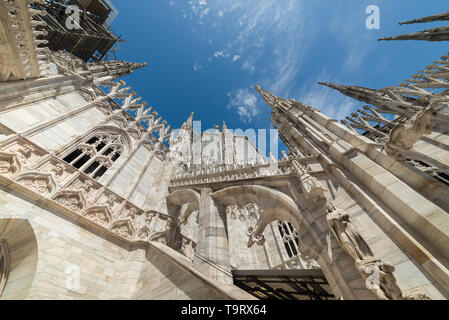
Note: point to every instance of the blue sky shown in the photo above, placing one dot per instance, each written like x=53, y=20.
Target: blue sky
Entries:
x=206, y=55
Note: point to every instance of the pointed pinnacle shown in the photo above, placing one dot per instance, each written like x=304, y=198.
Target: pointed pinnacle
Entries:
x=334, y=86
x=437, y=17
x=363, y=94
x=140, y=65
x=434, y=34
x=189, y=123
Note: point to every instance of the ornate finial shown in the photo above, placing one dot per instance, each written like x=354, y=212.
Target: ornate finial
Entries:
x=189, y=123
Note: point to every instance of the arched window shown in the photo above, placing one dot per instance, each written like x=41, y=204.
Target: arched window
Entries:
x=4, y=265
x=429, y=169
x=97, y=154
x=289, y=237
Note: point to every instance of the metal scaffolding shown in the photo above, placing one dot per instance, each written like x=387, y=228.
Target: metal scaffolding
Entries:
x=91, y=42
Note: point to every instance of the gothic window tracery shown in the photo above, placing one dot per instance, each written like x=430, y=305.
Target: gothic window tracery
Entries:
x=289, y=237
x=96, y=154
x=429, y=169
x=4, y=265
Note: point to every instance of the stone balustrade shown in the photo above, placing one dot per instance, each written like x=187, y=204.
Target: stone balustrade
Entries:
x=214, y=173
x=40, y=175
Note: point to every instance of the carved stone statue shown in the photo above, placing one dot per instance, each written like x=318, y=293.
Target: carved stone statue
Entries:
x=7, y=164
x=86, y=186
x=111, y=201
x=380, y=278
x=404, y=136
x=346, y=234
x=58, y=170
x=312, y=188
x=258, y=239
x=24, y=154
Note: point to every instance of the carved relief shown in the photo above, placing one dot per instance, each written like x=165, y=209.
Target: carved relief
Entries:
x=134, y=133
x=258, y=239
x=25, y=154
x=128, y=213
x=60, y=171
x=38, y=182
x=72, y=200
x=87, y=187
x=104, y=108
x=143, y=223
x=252, y=211
x=22, y=57
x=8, y=164
x=100, y=215
x=119, y=122
x=111, y=201
x=124, y=229
x=143, y=234
x=188, y=248
x=417, y=296
x=231, y=212
x=88, y=94
x=311, y=263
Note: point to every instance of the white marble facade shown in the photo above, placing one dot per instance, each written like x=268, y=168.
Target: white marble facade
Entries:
x=97, y=188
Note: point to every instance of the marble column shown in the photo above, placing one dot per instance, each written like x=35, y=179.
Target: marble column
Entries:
x=213, y=250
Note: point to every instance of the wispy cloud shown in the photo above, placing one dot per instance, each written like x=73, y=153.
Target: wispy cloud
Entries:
x=197, y=67
x=244, y=103
x=221, y=54
x=330, y=102
x=248, y=66
x=275, y=38
x=199, y=8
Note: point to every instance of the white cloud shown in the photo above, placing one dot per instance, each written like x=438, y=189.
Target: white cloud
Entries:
x=221, y=54
x=330, y=102
x=275, y=38
x=245, y=103
x=199, y=8
x=248, y=66
x=197, y=67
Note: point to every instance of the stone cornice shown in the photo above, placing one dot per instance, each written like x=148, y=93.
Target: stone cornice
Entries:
x=30, y=170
